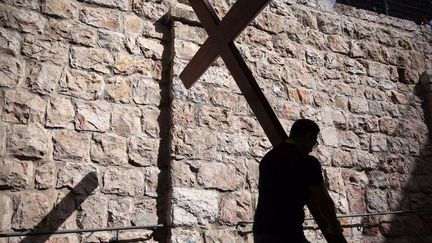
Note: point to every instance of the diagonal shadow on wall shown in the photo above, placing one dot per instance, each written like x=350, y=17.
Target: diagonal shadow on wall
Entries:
x=417, y=192
x=63, y=209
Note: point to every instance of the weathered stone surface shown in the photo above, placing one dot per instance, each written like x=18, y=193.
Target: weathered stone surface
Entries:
x=349, y=139
x=24, y=107
x=46, y=175
x=71, y=30
x=119, y=211
x=180, y=235
x=146, y=91
x=185, y=50
x=11, y=71
x=378, y=142
x=95, y=59
x=3, y=135
x=94, y=116
x=194, y=205
x=29, y=141
x=123, y=181
x=21, y=19
x=219, y=176
x=126, y=120
x=151, y=48
x=183, y=174
x=120, y=4
x=143, y=151
x=128, y=64
x=150, y=9
x=235, y=207
x=101, y=18
x=118, y=89
x=338, y=44
x=31, y=208
x=89, y=86
x=43, y=78
x=94, y=211
x=71, y=174
x=334, y=179
x=377, y=70
x=10, y=42
x=137, y=235
x=329, y=136
x=388, y=125
x=61, y=8
x=70, y=145
x=112, y=41
x=44, y=49
x=151, y=175
x=144, y=212
x=150, y=121
x=328, y=24
x=376, y=200
x=15, y=174
x=107, y=149
x=133, y=25
x=6, y=211
x=60, y=113
x=358, y=105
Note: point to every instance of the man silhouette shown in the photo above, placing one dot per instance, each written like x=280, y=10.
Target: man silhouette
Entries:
x=289, y=179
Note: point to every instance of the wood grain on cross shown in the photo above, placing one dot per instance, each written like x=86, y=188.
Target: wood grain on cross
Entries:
x=221, y=43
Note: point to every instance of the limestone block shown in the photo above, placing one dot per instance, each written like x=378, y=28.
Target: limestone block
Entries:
x=314, y=57
x=152, y=10
x=356, y=199
x=338, y=44
x=143, y=151
x=378, y=142
x=111, y=41
x=43, y=78
x=71, y=174
x=378, y=179
x=118, y=89
x=151, y=177
x=328, y=24
x=123, y=181
x=6, y=211
x=128, y=64
x=126, y=120
x=119, y=212
x=232, y=144
x=120, y=4
x=89, y=86
x=95, y=59
x=107, y=149
x=22, y=19
x=60, y=113
x=45, y=49
x=144, y=212
x=70, y=145
x=366, y=160
x=375, y=52
x=11, y=71
x=185, y=49
x=356, y=50
x=189, y=33
x=358, y=105
x=102, y=18
x=150, y=123
x=31, y=208
x=134, y=25
x=46, y=175
x=67, y=9
x=334, y=180
x=72, y=30
x=15, y=174
x=29, y=141
x=155, y=29
x=354, y=67
x=137, y=235
x=3, y=135
x=220, y=176
x=24, y=107
x=377, y=70
x=180, y=235
x=305, y=96
x=334, y=61
x=218, y=235
x=194, y=205
x=146, y=91
x=235, y=207
x=151, y=48
x=376, y=200
x=348, y=139
x=399, y=98
x=305, y=17
x=93, y=212
x=388, y=125
x=183, y=174
x=252, y=175
x=93, y=116
x=10, y=42
x=329, y=136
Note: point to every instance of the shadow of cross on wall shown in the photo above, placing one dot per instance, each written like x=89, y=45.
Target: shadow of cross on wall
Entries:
x=63, y=210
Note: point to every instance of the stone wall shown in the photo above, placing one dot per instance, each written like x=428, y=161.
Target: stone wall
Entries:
x=97, y=130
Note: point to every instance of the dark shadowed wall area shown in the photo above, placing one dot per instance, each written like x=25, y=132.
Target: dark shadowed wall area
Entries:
x=97, y=130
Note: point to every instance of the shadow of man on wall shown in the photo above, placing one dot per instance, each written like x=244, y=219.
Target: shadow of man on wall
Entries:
x=64, y=209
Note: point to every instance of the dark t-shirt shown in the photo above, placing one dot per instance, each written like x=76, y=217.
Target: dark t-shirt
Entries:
x=285, y=176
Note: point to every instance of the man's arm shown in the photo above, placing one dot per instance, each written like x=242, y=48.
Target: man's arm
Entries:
x=322, y=208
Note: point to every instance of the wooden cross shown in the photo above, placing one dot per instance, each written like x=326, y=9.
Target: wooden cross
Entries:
x=221, y=43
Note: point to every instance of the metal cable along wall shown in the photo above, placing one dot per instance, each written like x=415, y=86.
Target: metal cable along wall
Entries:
x=419, y=11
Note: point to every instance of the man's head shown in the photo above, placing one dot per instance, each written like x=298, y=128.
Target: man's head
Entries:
x=304, y=133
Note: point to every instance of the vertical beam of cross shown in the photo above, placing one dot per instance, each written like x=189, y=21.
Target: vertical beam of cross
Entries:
x=220, y=43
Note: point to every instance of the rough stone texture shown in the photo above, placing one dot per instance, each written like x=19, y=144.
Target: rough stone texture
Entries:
x=235, y=207
x=143, y=151
x=31, y=208
x=101, y=18
x=119, y=211
x=6, y=211
x=31, y=142
x=126, y=121
x=123, y=181
x=21, y=19
x=71, y=174
x=11, y=71
x=70, y=146
x=43, y=49
x=81, y=84
x=43, y=78
x=24, y=107
x=94, y=212
x=119, y=89
x=46, y=175
x=93, y=116
x=61, y=8
x=15, y=174
x=60, y=113
x=95, y=59
x=10, y=42
x=144, y=212
x=108, y=150
x=220, y=176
